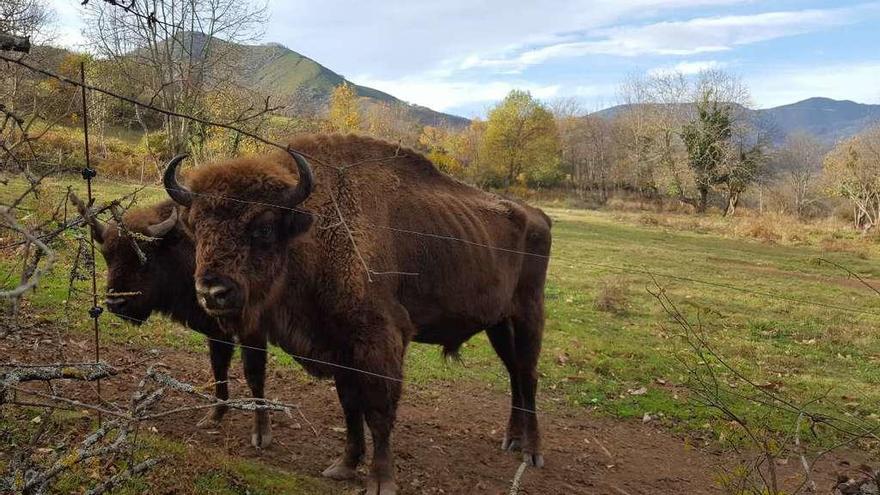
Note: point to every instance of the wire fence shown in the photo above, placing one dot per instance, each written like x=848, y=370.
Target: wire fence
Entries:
x=139, y=413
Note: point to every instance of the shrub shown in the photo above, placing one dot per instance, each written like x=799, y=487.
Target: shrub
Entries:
x=612, y=296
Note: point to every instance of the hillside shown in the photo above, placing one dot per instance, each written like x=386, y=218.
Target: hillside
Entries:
x=277, y=70
x=827, y=119
x=830, y=120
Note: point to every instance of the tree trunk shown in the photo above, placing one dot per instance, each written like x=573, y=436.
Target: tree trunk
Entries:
x=732, y=202
x=704, y=199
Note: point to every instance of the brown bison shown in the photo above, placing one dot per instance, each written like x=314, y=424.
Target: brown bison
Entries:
x=344, y=266
x=164, y=283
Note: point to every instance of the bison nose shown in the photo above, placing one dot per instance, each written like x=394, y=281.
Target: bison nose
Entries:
x=217, y=293
x=116, y=304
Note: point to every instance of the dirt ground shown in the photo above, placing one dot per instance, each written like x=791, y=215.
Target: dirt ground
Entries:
x=447, y=438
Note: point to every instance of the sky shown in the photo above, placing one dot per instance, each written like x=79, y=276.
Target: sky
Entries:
x=461, y=56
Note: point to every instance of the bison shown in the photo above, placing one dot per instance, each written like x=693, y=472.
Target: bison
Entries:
x=163, y=282
x=344, y=265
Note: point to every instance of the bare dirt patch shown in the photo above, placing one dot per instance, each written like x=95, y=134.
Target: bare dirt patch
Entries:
x=447, y=438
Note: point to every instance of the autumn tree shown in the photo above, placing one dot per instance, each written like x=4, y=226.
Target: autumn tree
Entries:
x=344, y=114
x=744, y=167
x=392, y=122
x=852, y=170
x=521, y=142
x=797, y=165
x=588, y=148
x=189, y=52
x=655, y=109
x=664, y=128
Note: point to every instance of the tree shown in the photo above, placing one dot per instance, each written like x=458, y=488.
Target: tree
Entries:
x=188, y=53
x=742, y=170
x=662, y=110
x=797, y=165
x=655, y=109
x=588, y=147
x=25, y=18
x=344, y=114
x=706, y=139
x=521, y=140
x=852, y=170
x=392, y=122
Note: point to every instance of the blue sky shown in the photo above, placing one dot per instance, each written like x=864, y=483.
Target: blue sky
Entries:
x=460, y=56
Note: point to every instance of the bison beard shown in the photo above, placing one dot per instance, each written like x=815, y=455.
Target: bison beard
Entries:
x=165, y=283
x=266, y=271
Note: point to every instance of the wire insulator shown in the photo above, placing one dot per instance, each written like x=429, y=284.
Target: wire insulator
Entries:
x=95, y=311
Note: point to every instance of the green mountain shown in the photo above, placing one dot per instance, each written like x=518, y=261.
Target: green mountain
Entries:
x=276, y=70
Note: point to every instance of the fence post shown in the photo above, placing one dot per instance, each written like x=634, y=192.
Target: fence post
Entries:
x=88, y=174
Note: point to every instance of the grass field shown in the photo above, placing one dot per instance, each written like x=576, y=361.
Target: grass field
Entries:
x=610, y=348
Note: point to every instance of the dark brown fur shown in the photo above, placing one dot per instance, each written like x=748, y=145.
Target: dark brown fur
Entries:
x=306, y=286
x=165, y=284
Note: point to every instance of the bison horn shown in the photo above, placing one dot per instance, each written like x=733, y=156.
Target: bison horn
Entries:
x=306, y=181
x=178, y=192
x=98, y=228
x=160, y=229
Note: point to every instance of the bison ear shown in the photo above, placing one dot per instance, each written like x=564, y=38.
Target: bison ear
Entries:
x=298, y=222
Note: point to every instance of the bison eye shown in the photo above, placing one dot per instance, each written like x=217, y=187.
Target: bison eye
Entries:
x=264, y=233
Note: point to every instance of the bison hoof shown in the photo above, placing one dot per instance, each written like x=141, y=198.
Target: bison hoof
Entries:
x=535, y=460
x=261, y=440
x=339, y=470
x=210, y=421
x=381, y=487
x=511, y=444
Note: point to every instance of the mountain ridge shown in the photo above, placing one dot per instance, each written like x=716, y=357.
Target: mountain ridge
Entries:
x=827, y=119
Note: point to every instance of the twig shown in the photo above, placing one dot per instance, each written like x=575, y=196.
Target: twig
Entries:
x=37, y=273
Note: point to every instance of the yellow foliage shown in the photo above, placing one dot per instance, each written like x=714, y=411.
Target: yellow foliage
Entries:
x=344, y=115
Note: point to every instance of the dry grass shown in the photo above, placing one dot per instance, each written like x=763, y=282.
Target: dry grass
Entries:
x=612, y=296
x=828, y=234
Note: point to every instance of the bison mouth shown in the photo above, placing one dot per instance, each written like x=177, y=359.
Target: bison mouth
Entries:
x=126, y=310
x=218, y=295
x=218, y=310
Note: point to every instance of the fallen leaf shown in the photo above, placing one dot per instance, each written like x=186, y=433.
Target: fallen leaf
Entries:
x=638, y=391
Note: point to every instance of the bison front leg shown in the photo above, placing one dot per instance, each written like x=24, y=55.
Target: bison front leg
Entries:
x=345, y=467
x=253, y=356
x=221, y=356
x=380, y=413
x=381, y=356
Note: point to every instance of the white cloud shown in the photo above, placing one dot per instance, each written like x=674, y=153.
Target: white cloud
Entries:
x=400, y=37
x=687, y=68
x=440, y=94
x=856, y=82
x=695, y=36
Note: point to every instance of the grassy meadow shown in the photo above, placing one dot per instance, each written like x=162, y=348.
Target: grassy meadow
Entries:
x=609, y=347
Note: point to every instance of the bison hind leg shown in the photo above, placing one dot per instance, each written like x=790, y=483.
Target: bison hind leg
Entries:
x=528, y=329
x=501, y=338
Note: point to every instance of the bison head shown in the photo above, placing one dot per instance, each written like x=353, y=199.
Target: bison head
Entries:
x=135, y=288
x=242, y=216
